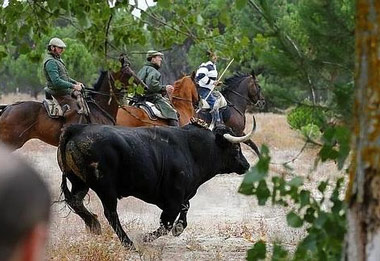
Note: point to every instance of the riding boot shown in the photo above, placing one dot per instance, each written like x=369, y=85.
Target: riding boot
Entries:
x=172, y=122
x=216, y=116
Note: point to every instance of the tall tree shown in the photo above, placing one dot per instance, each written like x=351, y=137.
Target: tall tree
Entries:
x=363, y=216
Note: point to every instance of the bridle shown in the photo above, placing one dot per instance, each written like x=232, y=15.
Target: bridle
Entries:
x=111, y=94
x=259, y=102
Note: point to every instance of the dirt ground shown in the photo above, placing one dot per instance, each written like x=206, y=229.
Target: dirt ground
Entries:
x=222, y=224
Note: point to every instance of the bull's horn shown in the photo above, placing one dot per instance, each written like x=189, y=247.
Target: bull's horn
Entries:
x=234, y=139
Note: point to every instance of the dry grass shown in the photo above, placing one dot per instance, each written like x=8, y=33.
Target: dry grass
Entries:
x=222, y=224
x=16, y=97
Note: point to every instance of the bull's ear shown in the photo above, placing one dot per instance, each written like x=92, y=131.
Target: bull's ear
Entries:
x=219, y=138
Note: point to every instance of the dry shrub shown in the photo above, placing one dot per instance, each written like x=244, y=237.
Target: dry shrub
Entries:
x=90, y=248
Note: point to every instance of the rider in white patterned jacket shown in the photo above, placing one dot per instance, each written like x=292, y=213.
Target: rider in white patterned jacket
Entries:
x=206, y=77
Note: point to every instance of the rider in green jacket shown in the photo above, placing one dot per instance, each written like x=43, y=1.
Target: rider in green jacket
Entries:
x=59, y=84
x=150, y=75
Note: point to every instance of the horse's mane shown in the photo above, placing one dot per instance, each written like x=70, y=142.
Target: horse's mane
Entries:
x=234, y=80
x=100, y=80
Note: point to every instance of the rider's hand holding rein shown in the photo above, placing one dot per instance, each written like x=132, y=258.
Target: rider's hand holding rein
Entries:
x=169, y=90
x=78, y=86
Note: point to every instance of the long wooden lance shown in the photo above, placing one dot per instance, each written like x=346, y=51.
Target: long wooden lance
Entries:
x=220, y=77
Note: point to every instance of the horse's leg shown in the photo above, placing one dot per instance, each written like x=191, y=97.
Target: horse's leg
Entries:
x=253, y=146
x=181, y=222
x=75, y=200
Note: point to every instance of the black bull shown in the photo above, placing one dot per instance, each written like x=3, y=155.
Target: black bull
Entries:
x=160, y=165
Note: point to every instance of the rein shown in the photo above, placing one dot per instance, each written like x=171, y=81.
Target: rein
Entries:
x=182, y=99
x=238, y=94
x=103, y=111
x=257, y=103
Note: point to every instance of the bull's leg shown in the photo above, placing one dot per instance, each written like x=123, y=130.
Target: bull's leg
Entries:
x=75, y=200
x=109, y=201
x=181, y=222
x=166, y=224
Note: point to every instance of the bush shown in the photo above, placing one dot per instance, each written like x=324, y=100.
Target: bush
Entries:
x=304, y=115
x=311, y=131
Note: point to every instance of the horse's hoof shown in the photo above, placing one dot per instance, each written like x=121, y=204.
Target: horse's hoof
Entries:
x=178, y=229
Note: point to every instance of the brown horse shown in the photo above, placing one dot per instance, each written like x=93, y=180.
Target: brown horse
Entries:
x=22, y=121
x=183, y=98
x=240, y=91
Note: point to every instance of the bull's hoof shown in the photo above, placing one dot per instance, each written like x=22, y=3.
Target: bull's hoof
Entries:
x=178, y=229
x=129, y=245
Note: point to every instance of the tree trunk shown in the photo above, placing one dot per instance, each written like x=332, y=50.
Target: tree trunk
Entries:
x=175, y=63
x=363, y=195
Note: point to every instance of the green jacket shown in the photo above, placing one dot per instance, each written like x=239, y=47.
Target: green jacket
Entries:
x=150, y=75
x=152, y=78
x=58, y=81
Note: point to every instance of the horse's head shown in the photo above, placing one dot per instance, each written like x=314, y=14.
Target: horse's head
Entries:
x=254, y=92
x=125, y=72
x=185, y=89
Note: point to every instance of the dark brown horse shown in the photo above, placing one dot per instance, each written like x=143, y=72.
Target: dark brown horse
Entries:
x=183, y=98
x=240, y=91
x=22, y=121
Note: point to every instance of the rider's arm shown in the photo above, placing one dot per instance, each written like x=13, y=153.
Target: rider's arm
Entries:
x=53, y=73
x=72, y=81
x=153, y=82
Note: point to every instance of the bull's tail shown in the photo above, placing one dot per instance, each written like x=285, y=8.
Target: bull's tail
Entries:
x=66, y=135
x=64, y=189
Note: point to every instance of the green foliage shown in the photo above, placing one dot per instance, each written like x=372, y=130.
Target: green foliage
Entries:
x=336, y=145
x=22, y=74
x=303, y=115
x=258, y=251
x=325, y=227
x=279, y=97
x=79, y=62
x=311, y=131
x=343, y=100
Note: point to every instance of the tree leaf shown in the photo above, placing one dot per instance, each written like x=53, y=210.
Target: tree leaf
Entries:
x=163, y=3
x=240, y=3
x=258, y=251
x=294, y=220
x=296, y=182
x=262, y=192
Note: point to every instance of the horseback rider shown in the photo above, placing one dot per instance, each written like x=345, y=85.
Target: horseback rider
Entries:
x=59, y=85
x=150, y=75
x=206, y=78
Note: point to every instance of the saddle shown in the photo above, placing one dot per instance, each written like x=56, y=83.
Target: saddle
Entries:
x=219, y=103
x=54, y=109
x=150, y=108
